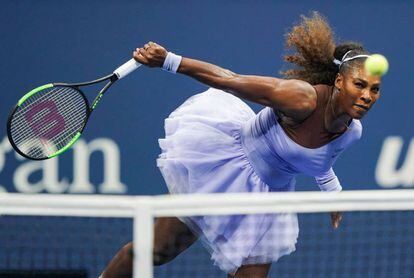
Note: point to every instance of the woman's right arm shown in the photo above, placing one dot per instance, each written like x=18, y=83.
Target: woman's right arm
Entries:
x=294, y=98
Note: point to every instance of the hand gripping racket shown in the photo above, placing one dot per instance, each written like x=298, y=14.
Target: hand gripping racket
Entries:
x=49, y=119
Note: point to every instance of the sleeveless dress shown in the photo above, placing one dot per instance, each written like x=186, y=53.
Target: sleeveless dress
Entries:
x=215, y=143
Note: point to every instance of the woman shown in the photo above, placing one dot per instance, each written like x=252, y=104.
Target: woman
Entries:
x=215, y=143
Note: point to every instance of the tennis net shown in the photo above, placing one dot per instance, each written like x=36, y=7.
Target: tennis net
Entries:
x=82, y=233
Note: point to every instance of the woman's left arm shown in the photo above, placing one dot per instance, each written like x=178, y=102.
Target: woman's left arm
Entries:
x=329, y=182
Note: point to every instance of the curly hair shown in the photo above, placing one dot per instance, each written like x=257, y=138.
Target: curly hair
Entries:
x=313, y=50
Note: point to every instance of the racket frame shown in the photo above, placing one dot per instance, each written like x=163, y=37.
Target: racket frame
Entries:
x=89, y=108
x=117, y=74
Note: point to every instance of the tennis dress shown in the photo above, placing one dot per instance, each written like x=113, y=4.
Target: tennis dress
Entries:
x=215, y=143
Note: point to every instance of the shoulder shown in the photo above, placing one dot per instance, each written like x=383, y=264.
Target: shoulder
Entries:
x=302, y=98
x=302, y=88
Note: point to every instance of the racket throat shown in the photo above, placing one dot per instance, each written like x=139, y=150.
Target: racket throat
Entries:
x=101, y=93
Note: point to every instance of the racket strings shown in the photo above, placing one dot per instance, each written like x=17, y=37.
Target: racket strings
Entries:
x=44, y=112
x=42, y=95
x=60, y=143
x=65, y=121
x=38, y=115
x=57, y=143
x=37, y=147
x=47, y=121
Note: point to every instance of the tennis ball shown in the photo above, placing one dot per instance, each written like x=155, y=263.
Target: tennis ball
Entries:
x=376, y=64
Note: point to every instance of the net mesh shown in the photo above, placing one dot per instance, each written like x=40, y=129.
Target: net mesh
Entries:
x=367, y=244
x=374, y=243
x=39, y=243
x=47, y=121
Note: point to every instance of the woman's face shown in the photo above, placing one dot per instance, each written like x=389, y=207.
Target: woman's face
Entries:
x=358, y=91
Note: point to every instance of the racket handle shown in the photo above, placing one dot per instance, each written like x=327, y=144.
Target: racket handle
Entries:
x=127, y=68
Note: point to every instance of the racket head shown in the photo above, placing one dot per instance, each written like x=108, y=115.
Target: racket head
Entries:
x=47, y=121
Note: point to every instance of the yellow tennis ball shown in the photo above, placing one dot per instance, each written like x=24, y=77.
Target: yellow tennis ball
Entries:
x=376, y=64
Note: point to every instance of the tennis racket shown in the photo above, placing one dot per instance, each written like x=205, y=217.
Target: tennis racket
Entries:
x=49, y=119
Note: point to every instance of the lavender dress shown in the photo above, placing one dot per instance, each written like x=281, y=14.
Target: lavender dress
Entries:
x=215, y=143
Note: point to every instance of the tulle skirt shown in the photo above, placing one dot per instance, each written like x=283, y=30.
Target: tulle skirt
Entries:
x=202, y=153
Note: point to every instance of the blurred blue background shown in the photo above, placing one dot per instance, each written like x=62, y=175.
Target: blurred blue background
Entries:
x=68, y=41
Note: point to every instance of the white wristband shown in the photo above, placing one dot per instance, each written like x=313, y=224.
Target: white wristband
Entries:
x=172, y=62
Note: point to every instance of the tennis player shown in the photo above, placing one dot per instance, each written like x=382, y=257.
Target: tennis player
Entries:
x=215, y=143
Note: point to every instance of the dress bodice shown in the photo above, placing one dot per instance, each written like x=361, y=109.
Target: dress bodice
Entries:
x=276, y=158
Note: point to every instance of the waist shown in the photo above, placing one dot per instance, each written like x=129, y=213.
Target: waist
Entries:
x=266, y=163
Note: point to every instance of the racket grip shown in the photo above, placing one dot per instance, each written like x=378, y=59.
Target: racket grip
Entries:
x=127, y=68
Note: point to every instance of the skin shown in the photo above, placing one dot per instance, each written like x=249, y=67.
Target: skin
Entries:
x=295, y=98
x=354, y=95
x=171, y=237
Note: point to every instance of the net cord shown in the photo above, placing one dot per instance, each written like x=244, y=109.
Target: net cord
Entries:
x=208, y=204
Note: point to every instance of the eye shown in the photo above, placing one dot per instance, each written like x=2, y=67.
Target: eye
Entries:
x=359, y=85
x=375, y=89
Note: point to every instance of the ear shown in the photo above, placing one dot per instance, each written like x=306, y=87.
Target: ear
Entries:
x=339, y=80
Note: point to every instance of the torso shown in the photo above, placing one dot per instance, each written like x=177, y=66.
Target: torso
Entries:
x=279, y=150
x=312, y=132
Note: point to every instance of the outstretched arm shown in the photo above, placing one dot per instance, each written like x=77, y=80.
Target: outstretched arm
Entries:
x=329, y=182
x=294, y=98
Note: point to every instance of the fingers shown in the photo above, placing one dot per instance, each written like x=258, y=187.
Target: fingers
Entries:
x=336, y=218
x=335, y=223
x=151, y=54
x=139, y=56
x=142, y=54
x=150, y=46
